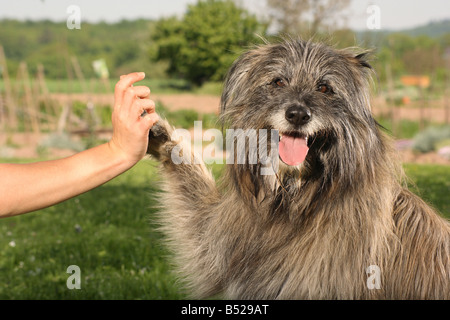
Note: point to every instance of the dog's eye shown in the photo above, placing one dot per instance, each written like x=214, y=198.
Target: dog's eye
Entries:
x=280, y=83
x=324, y=88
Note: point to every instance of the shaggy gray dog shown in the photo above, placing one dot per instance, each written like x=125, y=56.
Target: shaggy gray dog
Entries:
x=335, y=221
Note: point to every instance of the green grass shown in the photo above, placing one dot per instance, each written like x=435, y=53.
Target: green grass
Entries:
x=110, y=233
x=432, y=183
x=118, y=250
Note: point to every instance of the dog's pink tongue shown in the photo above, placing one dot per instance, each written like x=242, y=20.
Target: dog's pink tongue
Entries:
x=292, y=150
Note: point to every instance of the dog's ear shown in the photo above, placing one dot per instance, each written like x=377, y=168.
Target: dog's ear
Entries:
x=235, y=85
x=363, y=59
x=358, y=58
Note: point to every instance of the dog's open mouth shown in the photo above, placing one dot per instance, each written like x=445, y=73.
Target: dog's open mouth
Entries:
x=293, y=148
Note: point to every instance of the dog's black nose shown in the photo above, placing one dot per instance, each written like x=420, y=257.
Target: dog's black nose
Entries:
x=298, y=115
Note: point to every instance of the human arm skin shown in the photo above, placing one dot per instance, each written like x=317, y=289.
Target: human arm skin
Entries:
x=30, y=187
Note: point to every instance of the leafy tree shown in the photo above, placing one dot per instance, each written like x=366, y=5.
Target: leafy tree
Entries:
x=306, y=17
x=287, y=14
x=203, y=44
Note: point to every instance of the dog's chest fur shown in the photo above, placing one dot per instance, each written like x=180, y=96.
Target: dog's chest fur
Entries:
x=272, y=257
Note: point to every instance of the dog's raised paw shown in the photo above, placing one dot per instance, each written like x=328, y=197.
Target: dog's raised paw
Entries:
x=158, y=135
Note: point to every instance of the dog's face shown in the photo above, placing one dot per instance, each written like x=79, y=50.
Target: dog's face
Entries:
x=315, y=96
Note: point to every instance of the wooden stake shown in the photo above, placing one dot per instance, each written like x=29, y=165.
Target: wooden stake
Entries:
x=30, y=105
x=393, y=109
x=79, y=74
x=9, y=101
x=69, y=104
x=423, y=102
x=447, y=91
x=50, y=107
x=2, y=114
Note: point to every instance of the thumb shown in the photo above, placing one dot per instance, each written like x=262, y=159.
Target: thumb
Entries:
x=149, y=120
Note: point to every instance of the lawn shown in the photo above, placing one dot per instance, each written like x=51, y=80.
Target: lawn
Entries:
x=432, y=183
x=110, y=233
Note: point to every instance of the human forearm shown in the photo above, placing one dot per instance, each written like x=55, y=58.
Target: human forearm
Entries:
x=29, y=187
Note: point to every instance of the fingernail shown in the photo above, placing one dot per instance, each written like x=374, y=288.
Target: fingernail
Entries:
x=142, y=74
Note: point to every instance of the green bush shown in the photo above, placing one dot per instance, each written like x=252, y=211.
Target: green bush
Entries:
x=428, y=139
x=204, y=43
x=61, y=141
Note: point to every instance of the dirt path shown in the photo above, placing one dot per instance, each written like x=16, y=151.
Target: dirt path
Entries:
x=210, y=104
x=202, y=104
x=435, y=115
x=25, y=144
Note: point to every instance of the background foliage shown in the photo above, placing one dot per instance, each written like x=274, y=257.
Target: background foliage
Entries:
x=201, y=45
x=204, y=43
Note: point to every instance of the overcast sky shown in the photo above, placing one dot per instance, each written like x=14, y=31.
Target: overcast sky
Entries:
x=395, y=14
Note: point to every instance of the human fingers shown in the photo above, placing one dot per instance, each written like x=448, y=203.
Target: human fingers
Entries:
x=133, y=94
x=142, y=92
x=149, y=121
x=124, y=83
x=142, y=107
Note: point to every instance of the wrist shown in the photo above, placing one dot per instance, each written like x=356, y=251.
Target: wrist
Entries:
x=121, y=158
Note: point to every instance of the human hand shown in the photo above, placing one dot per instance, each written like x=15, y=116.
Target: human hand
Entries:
x=130, y=129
